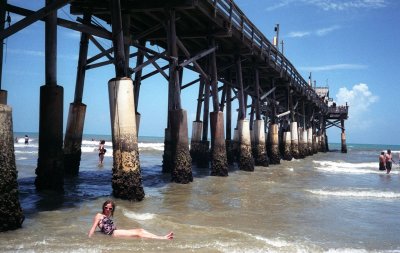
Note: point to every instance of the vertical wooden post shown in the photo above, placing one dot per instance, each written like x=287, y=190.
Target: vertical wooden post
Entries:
x=50, y=170
x=219, y=163
x=126, y=179
x=246, y=161
x=343, y=137
x=294, y=133
x=259, y=146
x=228, y=115
x=203, y=159
x=181, y=162
x=77, y=111
x=197, y=126
x=3, y=93
x=273, y=132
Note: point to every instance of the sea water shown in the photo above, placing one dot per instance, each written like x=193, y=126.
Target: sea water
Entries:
x=328, y=202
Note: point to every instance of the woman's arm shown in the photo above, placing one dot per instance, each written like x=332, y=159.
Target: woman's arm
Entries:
x=96, y=220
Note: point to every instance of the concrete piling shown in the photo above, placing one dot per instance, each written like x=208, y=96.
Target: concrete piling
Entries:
x=73, y=138
x=11, y=216
x=287, y=144
x=219, y=162
x=273, y=150
x=181, y=162
x=50, y=166
x=126, y=178
x=246, y=161
x=294, y=140
x=195, y=142
x=259, y=146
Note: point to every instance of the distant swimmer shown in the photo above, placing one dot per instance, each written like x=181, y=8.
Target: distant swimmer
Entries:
x=382, y=165
x=389, y=160
x=104, y=222
x=26, y=139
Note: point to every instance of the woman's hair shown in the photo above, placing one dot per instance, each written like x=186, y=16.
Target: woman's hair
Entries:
x=102, y=141
x=382, y=153
x=112, y=204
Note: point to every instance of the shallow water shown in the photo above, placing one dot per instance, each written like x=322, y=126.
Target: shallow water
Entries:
x=329, y=202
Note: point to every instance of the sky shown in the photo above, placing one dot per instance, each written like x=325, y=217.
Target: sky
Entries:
x=351, y=46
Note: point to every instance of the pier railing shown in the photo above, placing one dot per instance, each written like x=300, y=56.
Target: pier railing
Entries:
x=239, y=21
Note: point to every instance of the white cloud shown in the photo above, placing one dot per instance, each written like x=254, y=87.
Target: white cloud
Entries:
x=298, y=34
x=26, y=52
x=359, y=99
x=328, y=5
x=333, y=5
x=278, y=4
x=333, y=67
x=324, y=31
x=319, y=32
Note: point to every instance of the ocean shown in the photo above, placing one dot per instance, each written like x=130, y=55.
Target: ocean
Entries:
x=328, y=202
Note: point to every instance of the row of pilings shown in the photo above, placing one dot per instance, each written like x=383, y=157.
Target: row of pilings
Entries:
x=256, y=147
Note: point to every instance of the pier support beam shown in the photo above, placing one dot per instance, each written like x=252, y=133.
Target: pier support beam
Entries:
x=181, y=171
x=50, y=169
x=10, y=209
x=73, y=138
x=126, y=179
x=77, y=112
x=274, y=154
x=260, y=153
x=246, y=161
x=310, y=141
x=3, y=97
x=197, y=126
x=228, y=115
x=181, y=161
x=204, y=147
x=195, y=142
x=302, y=142
x=294, y=135
x=287, y=146
x=219, y=163
x=343, y=137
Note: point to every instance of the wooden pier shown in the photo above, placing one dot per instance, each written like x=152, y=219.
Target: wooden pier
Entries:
x=280, y=114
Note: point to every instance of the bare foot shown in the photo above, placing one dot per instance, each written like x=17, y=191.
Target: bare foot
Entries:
x=169, y=236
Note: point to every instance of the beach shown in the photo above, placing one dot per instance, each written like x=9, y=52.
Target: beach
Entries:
x=328, y=202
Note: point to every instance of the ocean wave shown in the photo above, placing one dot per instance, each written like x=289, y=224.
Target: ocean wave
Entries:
x=138, y=216
x=348, y=165
x=357, y=193
x=352, y=168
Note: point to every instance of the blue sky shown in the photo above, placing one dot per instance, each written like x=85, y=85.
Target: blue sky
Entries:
x=350, y=45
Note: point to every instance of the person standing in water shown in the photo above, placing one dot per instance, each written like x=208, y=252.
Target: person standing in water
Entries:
x=382, y=161
x=388, y=161
x=26, y=139
x=106, y=225
x=102, y=151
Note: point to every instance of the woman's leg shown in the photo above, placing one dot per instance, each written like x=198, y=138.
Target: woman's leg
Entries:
x=140, y=233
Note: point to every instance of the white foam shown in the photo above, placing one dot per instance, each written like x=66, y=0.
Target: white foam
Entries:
x=150, y=146
x=356, y=193
x=138, y=216
x=352, y=168
x=348, y=165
